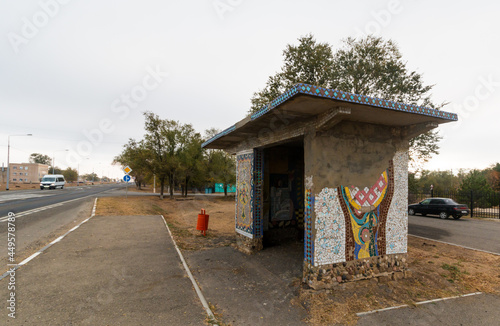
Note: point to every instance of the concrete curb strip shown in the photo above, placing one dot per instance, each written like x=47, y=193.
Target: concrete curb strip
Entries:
x=188, y=271
x=361, y=314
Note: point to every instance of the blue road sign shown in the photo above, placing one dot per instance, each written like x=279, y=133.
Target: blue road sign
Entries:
x=126, y=178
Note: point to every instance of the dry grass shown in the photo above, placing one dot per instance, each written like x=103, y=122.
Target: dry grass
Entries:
x=181, y=216
x=437, y=270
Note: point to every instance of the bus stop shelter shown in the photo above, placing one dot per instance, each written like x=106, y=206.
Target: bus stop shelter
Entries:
x=328, y=168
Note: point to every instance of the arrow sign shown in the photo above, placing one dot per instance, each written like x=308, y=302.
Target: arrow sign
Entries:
x=126, y=178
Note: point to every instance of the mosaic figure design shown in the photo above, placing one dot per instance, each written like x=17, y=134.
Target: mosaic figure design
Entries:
x=244, y=196
x=364, y=211
x=353, y=223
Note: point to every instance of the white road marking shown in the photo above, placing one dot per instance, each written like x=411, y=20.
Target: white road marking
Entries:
x=188, y=271
x=360, y=314
x=29, y=258
x=24, y=262
x=36, y=210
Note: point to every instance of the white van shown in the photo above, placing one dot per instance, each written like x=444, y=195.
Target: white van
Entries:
x=52, y=181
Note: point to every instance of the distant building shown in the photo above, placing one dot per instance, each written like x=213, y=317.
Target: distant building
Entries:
x=27, y=172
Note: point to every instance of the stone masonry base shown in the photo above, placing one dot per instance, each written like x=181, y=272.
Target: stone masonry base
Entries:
x=382, y=267
x=248, y=245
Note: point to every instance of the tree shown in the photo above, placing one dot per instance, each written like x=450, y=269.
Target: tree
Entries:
x=55, y=170
x=442, y=181
x=309, y=62
x=475, y=182
x=370, y=66
x=138, y=157
x=91, y=177
x=70, y=175
x=493, y=176
x=40, y=159
x=190, y=155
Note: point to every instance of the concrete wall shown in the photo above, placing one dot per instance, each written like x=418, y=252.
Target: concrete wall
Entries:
x=356, y=198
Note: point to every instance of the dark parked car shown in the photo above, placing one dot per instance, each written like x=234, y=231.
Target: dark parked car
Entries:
x=443, y=207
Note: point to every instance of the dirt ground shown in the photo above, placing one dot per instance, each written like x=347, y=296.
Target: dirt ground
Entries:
x=437, y=270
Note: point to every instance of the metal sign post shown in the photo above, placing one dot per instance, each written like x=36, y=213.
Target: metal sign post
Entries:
x=126, y=178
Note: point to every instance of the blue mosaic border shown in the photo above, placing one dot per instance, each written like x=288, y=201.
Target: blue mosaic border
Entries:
x=219, y=135
x=258, y=230
x=308, y=235
x=352, y=98
x=345, y=97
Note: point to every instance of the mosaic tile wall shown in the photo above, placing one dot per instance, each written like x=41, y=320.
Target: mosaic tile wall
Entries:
x=353, y=223
x=330, y=241
x=308, y=234
x=258, y=230
x=244, y=193
x=397, y=219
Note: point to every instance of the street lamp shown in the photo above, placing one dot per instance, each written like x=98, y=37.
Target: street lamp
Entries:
x=8, y=157
x=54, y=156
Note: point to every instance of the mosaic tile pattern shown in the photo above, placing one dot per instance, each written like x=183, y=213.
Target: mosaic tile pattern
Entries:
x=330, y=228
x=258, y=228
x=354, y=224
x=352, y=98
x=308, y=235
x=244, y=194
x=219, y=135
x=397, y=219
x=345, y=97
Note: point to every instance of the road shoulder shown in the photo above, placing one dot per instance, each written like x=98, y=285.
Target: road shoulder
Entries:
x=113, y=270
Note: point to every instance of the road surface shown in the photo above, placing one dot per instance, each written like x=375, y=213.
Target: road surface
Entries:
x=467, y=232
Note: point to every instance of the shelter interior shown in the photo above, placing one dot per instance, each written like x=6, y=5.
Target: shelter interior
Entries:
x=283, y=193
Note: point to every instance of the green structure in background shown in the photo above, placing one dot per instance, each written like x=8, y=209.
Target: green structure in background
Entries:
x=219, y=188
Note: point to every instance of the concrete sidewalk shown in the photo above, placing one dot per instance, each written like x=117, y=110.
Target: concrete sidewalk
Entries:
x=113, y=270
x=478, y=310
x=251, y=290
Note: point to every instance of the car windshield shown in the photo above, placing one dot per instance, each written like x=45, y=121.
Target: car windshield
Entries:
x=49, y=179
x=450, y=202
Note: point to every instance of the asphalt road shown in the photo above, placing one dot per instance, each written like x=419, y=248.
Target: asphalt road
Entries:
x=467, y=232
x=42, y=216
x=24, y=200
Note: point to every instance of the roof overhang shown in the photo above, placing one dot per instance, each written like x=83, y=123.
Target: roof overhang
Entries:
x=327, y=107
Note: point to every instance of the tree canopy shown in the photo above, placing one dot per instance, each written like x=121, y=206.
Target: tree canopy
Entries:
x=40, y=159
x=172, y=152
x=369, y=66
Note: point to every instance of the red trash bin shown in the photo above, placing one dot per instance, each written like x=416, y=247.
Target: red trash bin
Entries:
x=202, y=224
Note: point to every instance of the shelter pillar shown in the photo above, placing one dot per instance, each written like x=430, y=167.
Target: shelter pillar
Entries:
x=249, y=182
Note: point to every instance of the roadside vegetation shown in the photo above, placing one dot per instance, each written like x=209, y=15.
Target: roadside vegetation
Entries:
x=171, y=154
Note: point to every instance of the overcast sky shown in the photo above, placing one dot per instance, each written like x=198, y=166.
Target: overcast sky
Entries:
x=78, y=74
